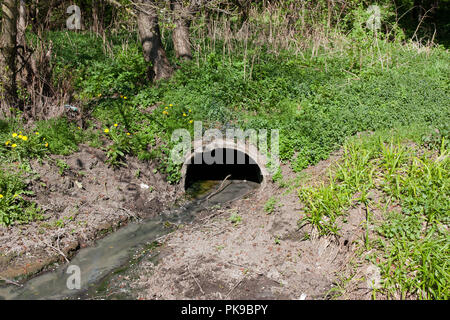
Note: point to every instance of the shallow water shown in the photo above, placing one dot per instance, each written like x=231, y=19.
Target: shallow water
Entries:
x=115, y=250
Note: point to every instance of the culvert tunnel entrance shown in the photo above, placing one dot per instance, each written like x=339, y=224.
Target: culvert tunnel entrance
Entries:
x=218, y=164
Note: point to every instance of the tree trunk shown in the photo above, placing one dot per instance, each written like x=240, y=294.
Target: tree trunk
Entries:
x=180, y=35
x=150, y=36
x=8, y=70
x=22, y=25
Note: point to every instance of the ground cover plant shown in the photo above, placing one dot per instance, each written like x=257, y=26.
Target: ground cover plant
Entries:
x=402, y=183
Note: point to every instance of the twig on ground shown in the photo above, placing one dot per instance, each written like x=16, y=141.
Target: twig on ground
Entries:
x=57, y=250
x=11, y=282
x=220, y=187
x=232, y=289
x=198, y=284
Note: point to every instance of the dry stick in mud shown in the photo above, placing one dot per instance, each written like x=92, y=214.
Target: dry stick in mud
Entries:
x=10, y=282
x=236, y=285
x=57, y=250
x=198, y=284
x=220, y=187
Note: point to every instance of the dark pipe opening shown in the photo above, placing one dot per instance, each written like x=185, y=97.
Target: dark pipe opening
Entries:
x=217, y=164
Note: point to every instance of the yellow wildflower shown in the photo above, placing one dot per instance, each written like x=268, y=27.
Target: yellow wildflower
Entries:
x=170, y=105
x=7, y=142
x=20, y=136
x=184, y=114
x=125, y=98
x=190, y=121
x=190, y=110
x=1, y=196
x=36, y=133
x=128, y=133
x=24, y=138
x=46, y=145
x=14, y=135
x=115, y=124
x=106, y=130
x=14, y=145
x=166, y=108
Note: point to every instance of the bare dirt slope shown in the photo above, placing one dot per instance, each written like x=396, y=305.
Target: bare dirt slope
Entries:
x=82, y=201
x=264, y=256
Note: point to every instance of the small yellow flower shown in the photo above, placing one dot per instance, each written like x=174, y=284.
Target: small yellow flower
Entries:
x=1, y=196
x=46, y=145
x=16, y=195
x=106, y=130
x=184, y=114
x=128, y=133
x=125, y=98
x=165, y=112
x=79, y=128
x=14, y=145
x=190, y=121
x=115, y=124
x=36, y=133
x=190, y=110
x=14, y=135
x=166, y=108
x=24, y=138
x=170, y=105
x=99, y=94
x=121, y=96
x=20, y=136
x=7, y=143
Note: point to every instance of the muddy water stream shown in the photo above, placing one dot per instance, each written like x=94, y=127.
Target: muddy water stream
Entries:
x=114, y=252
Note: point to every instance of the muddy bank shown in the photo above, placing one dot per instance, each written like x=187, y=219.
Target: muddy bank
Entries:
x=256, y=256
x=83, y=200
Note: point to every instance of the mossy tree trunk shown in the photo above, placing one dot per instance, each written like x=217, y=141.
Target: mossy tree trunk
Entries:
x=8, y=69
x=180, y=36
x=150, y=37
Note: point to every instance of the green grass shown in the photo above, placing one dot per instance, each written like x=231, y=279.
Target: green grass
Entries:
x=316, y=101
x=270, y=205
x=411, y=245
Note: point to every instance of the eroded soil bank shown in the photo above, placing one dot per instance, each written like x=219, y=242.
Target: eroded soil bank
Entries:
x=83, y=200
x=239, y=251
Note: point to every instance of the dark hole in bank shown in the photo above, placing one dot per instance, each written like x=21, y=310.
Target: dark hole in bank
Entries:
x=217, y=164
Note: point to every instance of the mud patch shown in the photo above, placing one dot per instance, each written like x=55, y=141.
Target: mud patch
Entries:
x=83, y=200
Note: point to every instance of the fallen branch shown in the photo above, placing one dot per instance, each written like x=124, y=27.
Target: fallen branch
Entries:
x=11, y=282
x=220, y=187
x=57, y=250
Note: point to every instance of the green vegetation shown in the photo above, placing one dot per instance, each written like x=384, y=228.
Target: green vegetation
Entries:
x=405, y=179
x=14, y=209
x=235, y=218
x=270, y=205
